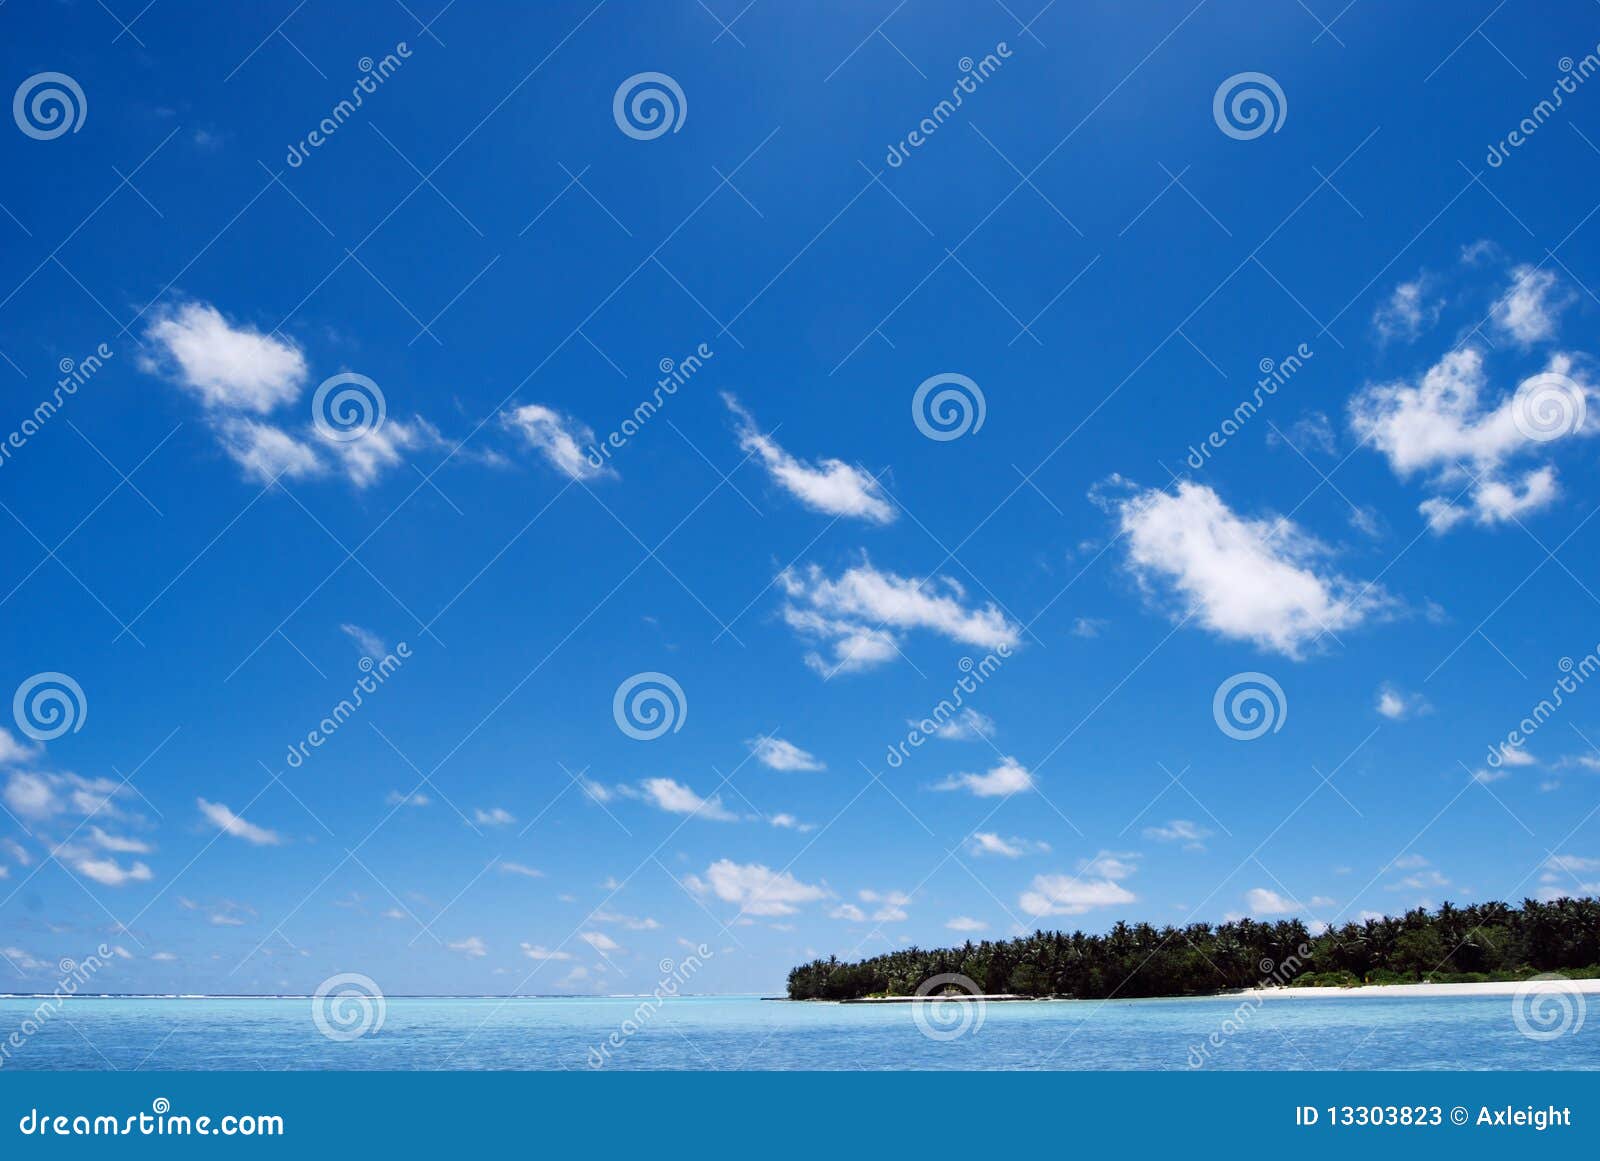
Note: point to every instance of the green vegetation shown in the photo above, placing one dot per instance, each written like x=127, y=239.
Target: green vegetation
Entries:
x=1490, y=941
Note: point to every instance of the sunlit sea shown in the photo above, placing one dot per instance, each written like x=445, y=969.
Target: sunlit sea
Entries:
x=1467, y=1032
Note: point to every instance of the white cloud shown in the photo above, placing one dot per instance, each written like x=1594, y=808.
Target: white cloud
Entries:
x=18, y=853
x=267, y=452
x=1397, y=705
x=369, y=643
x=756, y=889
x=24, y=960
x=233, y=368
x=472, y=947
x=559, y=438
x=863, y=611
x=1516, y=756
x=676, y=798
x=966, y=923
x=1530, y=309
x=830, y=486
x=1572, y=864
x=365, y=459
x=1408, y=863
x=231, y=823
x=631, y=922
x=787, y=821
x=1255, y=580
x=415, y=798
x=119, y=843
x=164, y=957
x=494, y=816
x=779, y=754
x=41, y=796
x=1071, y=895
x=12, y=751
x=1109, y=864
x=1441, y=427
x=891, y=905
x=1009, y=777
x=1407, y=312
x=1262, y=901
x=107, y=870
x=988, y=843
x=849, y=912
x=1191, y=834
x=534, y=951
x=1421, y=881
x=600, y=941
x=967, y=726
x=522, y=869
x=1095, y=885
x=1088, y=627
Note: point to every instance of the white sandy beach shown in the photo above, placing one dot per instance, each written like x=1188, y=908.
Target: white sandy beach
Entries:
x=1510, y=988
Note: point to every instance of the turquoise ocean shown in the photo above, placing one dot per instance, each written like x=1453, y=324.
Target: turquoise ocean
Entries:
x=748, y=1033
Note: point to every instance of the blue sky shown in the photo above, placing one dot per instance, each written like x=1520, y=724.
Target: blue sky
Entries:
x=1396, y=532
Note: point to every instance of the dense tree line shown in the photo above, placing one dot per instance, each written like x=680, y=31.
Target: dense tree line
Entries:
x=1452, y=944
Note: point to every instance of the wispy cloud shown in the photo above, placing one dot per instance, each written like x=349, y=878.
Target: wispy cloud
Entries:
x=230, y=823
x=829, y=486
x=559, y=438
x=1009, y=777
x=778, y=754
x=755, y=888
x=864, y=611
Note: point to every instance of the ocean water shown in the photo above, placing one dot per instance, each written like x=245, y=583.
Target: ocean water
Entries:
x=1467, y=1032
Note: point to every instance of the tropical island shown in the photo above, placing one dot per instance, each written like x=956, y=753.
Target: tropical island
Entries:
x=1487, y=942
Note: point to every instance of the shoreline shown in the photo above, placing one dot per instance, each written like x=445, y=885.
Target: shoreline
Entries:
x=1359, y=991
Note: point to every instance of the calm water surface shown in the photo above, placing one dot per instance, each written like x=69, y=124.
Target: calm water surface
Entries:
x=747, y=1033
